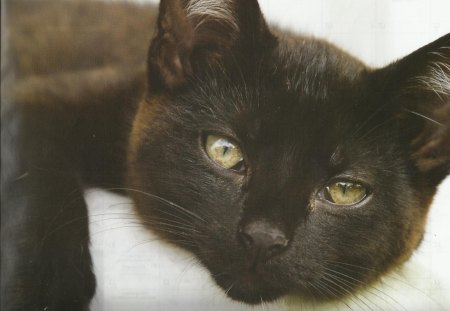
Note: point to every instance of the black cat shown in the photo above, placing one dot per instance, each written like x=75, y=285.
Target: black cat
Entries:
x=280, y=161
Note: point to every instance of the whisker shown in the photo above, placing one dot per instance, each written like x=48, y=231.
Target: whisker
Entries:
x=175, y=226
x=165, y=222
x=369, y=118
x=229, y=288
x=351, y=265
x=346, y=288
x=325, y=287
x=330, y=290
x=178, y=241
x=319, y=290
x=423, y=116
x=371, y=130
x=65, y=204
x=114, y=228
x=161, y=229
x=263, y=306
x=161, y=199
x=390, y=275
x=367, y=289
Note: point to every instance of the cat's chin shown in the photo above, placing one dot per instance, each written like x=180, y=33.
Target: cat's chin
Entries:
x=249, y=289
x=255, y=288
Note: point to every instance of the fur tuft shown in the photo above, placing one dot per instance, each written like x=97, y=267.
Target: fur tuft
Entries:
x=215, y=9
x=437, y=77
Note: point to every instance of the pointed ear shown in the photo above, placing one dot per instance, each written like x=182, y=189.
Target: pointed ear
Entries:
x=192, y=34
x=419, y=86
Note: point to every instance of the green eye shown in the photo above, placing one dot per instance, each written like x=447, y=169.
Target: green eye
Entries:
x=345, y=193
x=224, y=152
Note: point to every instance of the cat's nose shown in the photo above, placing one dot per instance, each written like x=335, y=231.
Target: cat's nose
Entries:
x=262, y=240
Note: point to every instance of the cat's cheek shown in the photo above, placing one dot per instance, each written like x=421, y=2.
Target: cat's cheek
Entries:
x=345, y=235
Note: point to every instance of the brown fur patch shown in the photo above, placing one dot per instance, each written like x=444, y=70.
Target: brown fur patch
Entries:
x=76, y=88
x=145, y=125
x=53, y=36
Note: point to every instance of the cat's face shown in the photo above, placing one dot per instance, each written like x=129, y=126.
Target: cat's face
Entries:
x=284, y=165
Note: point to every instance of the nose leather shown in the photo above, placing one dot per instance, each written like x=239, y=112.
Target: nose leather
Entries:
x=262, y=241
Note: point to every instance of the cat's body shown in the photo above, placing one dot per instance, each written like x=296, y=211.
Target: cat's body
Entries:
x=53, y=93
x=263, y=229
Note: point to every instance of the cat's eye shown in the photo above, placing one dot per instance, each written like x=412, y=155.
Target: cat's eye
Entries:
x=345, y=193
x=224, y=152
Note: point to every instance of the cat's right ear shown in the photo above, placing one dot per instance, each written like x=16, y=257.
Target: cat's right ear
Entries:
x=416, y=89
x=195, y=34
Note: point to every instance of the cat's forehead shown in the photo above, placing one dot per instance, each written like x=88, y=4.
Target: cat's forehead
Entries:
x=314, y=68
x=298, y=86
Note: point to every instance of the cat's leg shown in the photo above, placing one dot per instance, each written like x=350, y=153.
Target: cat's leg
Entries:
x=51, y=267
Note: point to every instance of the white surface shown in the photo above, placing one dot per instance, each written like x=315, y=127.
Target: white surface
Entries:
x=377, y=31
x=135, y=271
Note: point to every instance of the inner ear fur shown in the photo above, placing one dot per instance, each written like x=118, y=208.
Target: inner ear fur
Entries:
x=417, y=88
x=196, y=34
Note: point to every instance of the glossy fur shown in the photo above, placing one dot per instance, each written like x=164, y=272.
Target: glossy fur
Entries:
x=304, y=113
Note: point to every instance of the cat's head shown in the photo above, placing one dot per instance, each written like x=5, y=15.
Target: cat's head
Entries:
x=284, y=164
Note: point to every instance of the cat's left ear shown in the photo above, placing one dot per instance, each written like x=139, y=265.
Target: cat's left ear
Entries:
x=193, y=35
x=418, y=88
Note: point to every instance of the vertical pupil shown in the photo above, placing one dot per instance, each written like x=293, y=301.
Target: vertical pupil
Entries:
x=343, y=187
x=225, y=150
